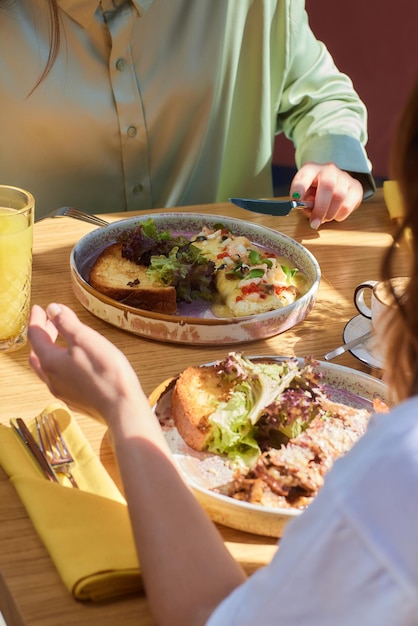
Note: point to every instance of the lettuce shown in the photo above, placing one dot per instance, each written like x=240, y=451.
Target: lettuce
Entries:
x=268, y=398
x=171, y=260
x=231, y=430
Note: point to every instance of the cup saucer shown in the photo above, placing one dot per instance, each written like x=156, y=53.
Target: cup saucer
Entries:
x=366, y=352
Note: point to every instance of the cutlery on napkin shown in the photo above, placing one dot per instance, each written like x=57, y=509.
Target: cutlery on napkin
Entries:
x=26, y=436
x=278, y=208
x=92, y=546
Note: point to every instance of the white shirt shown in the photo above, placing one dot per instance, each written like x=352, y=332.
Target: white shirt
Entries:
x=351, y=559
x=167, y=102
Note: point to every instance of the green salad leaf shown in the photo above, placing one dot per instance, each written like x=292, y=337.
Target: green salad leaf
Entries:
x=289, y=272
x=268, y=399
x=171, y=260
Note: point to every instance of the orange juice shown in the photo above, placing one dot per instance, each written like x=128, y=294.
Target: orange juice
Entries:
x=16, y=233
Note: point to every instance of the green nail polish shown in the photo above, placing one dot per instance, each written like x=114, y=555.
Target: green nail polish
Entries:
x=296, y=195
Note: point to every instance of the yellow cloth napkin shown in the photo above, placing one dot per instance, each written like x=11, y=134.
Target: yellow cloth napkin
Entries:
x=86, y=531
x=394, y=202
x=393, y=199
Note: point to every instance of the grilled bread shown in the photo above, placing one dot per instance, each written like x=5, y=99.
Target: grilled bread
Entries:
x=196, y=395
x=122, y=280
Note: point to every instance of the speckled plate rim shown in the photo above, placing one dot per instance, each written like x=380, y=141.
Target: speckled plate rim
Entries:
x=259, y=519
x=189, y=217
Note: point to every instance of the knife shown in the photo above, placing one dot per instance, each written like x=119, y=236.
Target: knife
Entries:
x=348, y=346
x=26, y=436
x=278, y=208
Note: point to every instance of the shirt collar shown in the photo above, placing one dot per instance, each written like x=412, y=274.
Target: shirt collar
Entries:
x=82, y=11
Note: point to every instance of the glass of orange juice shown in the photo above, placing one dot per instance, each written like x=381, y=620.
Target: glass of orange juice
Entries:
x=17, y=208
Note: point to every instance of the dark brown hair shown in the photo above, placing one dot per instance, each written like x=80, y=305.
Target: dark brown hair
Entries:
x=402, y=366
x=54, y=38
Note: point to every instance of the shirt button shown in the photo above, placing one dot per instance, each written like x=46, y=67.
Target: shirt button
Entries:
x=138, y=188
x=120, y=65
x=131, y=131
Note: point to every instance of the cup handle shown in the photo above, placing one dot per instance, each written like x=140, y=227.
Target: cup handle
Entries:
x=359, y=302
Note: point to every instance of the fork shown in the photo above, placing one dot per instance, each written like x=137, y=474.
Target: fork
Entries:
x=68, y=211
x=53, y=445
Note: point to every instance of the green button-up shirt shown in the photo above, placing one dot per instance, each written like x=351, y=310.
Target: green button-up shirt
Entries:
x=160, y=103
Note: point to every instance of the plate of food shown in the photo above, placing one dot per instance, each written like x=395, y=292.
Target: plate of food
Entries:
x=194, y=278
x=255, y=436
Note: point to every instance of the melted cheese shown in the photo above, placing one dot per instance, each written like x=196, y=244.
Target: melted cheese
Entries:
x=260, y=286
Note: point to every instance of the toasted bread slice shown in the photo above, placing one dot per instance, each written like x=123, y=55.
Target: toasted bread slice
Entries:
x=123, y=280
x=196, y=395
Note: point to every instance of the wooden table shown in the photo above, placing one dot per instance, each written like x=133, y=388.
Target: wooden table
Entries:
x=31, y=593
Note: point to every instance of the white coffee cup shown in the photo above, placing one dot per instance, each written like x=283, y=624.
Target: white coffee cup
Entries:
x=381, y=297
x=380, y=309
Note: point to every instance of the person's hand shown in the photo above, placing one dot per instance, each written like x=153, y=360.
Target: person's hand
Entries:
x=89, y=373
x=335, y=193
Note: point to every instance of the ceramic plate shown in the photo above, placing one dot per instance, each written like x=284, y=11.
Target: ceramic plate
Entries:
x=367, y=352
x=194, y=323
x=204, y=471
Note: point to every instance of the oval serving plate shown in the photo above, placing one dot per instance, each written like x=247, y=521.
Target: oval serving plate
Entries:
x=194, y=323
x=204, y=471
